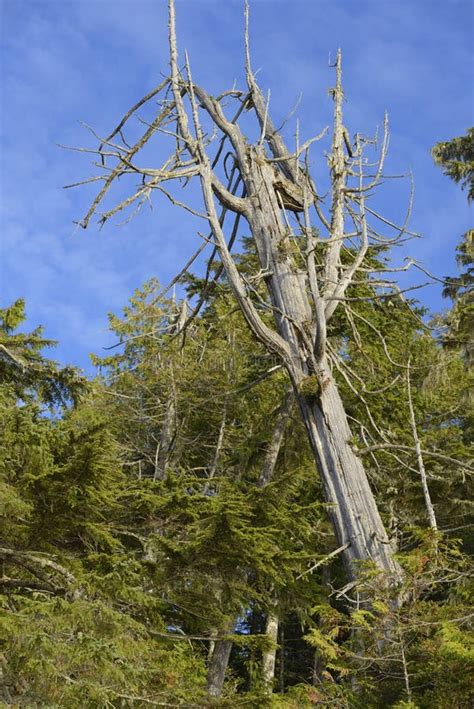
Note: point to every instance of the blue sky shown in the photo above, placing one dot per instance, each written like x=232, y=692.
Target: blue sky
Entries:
x=69, y=61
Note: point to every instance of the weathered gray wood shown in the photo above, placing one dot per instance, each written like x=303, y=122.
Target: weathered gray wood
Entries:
x=217, y=667
x=269, y=655
x=220, y=649
x=353, y=509
x=165, y=443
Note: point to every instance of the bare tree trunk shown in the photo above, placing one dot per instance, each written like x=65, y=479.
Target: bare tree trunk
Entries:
x=220, y=441
x=354, y=513
x=281, y=669
x=406, y=675
x=273, y=448
x=269, y=655
x=165, y=445
x=167, y=436
x=220, y=650
x=266, y=476
x=217, y=667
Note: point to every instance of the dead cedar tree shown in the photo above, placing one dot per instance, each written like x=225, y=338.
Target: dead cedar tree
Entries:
x=309, y=254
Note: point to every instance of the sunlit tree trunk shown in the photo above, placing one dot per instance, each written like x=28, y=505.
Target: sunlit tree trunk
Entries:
x=217, y=667
x=269, y=654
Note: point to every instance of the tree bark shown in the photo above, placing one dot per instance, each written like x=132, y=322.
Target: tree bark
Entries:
x=353, y=510
x=274, y=445
x=266, y=476
x=281, y=668
x=167, y=437
x=220, y=650
x=269, y=655
x=220, y=441
x=217, y=667
x=165, y=445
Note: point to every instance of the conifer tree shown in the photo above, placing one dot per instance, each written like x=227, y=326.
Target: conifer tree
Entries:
x=456, y=158
x=77, y=615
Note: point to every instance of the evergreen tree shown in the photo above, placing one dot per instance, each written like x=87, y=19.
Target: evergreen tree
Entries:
x=163, y=537
x=120, y=584
x=77, y=615
x=456, y=158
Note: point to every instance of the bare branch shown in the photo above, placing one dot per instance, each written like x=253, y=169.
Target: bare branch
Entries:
x=319, y=314
x=383, y=155
x=269, y=132
x=410, y=449
x=339, y=175
x=118, y=169
x=323, y=561
x=135, y=108
x=349, y=273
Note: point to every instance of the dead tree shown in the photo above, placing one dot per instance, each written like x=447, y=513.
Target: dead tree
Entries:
x=309, y=254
